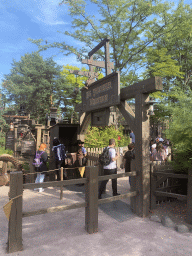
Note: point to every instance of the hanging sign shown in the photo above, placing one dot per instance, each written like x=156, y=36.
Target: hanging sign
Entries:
x=102, y=93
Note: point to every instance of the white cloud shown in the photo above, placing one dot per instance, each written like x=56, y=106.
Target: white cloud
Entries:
x=49, y=12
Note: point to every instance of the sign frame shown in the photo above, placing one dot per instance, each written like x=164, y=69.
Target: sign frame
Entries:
x=101, y=94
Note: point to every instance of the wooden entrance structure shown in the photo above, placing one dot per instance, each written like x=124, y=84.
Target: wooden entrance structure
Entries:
x=139, y=123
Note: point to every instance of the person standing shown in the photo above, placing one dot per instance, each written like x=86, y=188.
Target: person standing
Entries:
x=128, y=157
x=60, y=155
x=81, y=154
x=41, y=158
x=111, y=168
x=132, y=136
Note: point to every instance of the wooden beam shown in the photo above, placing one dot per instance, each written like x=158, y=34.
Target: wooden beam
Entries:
x=172, y=175
x=147, y=86
x=115, y=198
x=84, y=73
x=54, y=209
x=128, y=114
x=94, y=50
x=167, y=194
x=85, y=123
x=97, y=63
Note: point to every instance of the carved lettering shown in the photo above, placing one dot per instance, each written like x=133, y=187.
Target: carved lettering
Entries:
x=99, y=100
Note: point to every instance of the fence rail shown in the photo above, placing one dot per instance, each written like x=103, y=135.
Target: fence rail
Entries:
x=91, y=202
x=163, y=185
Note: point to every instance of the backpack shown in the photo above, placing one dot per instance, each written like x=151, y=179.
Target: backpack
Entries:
x=105, y=158
x=37, y=160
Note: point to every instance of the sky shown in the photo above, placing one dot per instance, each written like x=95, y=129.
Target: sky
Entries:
x=36, y=19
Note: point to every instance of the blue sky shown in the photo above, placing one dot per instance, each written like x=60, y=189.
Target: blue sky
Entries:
x=23, y=19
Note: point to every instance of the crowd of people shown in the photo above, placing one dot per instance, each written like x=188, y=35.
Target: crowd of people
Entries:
x=158, y=152
x=41, y=160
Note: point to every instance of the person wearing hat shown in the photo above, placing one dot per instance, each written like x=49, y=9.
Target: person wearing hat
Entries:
x=81, y=154
x=80, y=145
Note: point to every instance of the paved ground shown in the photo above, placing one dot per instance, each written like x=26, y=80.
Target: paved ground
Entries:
x=120, y=231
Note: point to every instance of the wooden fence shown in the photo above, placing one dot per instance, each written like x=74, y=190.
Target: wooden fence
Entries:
x=91, y=202
x=164, y=185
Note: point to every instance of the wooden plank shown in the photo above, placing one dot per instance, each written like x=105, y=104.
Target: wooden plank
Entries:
x=172, y=175
x=85, y=123
x=54, y=209
x=127, y=113
x=102, y=43
x=115, y=176
x=147, y=86
x=15, y=221
x=167, y=194
x=114, y=198
x=54, y=183
x=91, y=199
x=153, y=180
x=168, y=187
x=61, y=193
x=97, y=63
x=159, y=181
x=93, y=158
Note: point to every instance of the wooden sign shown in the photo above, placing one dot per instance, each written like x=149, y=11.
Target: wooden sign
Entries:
x=102, y=93
x=100, y=118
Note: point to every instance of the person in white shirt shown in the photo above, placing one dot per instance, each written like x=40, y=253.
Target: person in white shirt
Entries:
x=111, y=168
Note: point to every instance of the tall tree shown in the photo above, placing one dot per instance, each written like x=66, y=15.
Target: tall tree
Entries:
x=132, y=26
x=31, y=83
x=70, y=94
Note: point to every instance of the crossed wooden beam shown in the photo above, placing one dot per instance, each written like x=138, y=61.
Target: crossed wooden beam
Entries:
x=102, y=64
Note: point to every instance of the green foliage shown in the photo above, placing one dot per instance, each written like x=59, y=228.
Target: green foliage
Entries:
x=98, y=137
x=5, y=151
x=31, y=83
x=179, y=131
x=69, y=94
x=131, y=25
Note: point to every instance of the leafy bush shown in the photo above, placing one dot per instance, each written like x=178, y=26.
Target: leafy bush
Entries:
x=179, y=131
x=98, y=137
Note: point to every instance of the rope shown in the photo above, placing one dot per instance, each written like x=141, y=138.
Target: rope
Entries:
x=51, y=171
x=16, y=197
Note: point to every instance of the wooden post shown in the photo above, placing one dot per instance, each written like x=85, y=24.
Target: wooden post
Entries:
x=15, y=221
x=91, y=199
x=15, y=140
x=31, y=169
x=61, y=193
x=153, y=181
x=38, y=127
x=189, y=197
x=142, y=155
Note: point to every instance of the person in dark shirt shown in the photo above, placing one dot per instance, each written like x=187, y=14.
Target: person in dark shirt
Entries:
x=129, y=155
x=60, y=155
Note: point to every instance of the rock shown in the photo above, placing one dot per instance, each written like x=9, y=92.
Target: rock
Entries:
x=167, y=222
x=155, y=218
x=182, y=228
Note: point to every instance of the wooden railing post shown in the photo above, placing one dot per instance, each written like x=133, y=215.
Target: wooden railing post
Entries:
x=189, y=197
x=153, y=180
x=15, y=220
x=91, y=199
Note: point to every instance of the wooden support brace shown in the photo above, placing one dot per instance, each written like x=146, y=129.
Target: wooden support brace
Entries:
x=127, y=113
